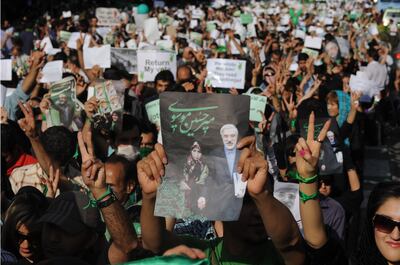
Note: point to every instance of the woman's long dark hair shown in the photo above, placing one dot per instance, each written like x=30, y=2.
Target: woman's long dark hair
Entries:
x=368, y=253
x=26, y=208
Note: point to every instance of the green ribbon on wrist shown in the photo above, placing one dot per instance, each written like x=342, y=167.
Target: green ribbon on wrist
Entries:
x=306, y=180
x=93, y=202
x=304, y=197
x=293, y=123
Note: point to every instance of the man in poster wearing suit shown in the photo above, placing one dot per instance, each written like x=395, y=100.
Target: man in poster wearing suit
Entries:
x=224, y=196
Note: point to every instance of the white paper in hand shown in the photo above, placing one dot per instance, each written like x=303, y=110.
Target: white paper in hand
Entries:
x=52, y=71
x=313, y=42
x=66, y=14
x=6, y=68
x=75, y=36
x=3, y=94
x=100, y=56
x=373, y=29
x=151, y=30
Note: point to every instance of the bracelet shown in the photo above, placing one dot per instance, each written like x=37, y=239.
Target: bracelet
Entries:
x=43, y=117
x=293, y=123
x=306, y=180
x=304, y=197
x=110, y=200
x=95, y=203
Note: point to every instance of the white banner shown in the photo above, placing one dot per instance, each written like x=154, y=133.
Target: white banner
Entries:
x=226, y=73
x=151, y=62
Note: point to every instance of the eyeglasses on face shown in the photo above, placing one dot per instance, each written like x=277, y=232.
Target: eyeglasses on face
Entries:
x=384, y=224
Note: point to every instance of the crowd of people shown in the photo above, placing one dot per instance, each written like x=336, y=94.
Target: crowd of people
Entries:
x=87, y=194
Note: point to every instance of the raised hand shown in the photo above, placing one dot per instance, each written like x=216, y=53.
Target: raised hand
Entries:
x=150, y=170
x=252, y=166
x=92, y=170
x=233, y=91
x=51, y=182
x=91, y=107
x=27, y=124
x=3, y=116
x=307, y=151
x=183, y=250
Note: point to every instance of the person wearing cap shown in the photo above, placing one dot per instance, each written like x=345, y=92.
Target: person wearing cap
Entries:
x=70, y=228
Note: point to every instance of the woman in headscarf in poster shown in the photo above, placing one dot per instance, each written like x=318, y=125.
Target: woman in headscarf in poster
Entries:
x=195, y=173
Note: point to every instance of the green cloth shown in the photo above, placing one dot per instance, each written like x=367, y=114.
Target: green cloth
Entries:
x=164, y=260
x=217, y=254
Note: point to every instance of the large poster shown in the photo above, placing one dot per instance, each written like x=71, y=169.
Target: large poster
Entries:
x=200, y=133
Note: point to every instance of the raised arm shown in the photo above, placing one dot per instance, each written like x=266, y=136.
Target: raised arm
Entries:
x=307, y=155
x=280, y=226
x=122, y=233
x=154, y=234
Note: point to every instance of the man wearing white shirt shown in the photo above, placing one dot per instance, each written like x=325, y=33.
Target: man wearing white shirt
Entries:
x=375, y=71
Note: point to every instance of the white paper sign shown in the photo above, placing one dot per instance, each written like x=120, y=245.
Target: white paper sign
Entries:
x=47, y=46
x=52, y=71
x=299, y=34
x=151, y=30
x=66, y=14
x=3, y=94
x=373, y=29
x=165, y=44
x=151, y=62
x=75, y=36
x=194, y=23
x=6, y=70
x=97, y=55
x=226, y=73
x=107, y=16
x=313, y=42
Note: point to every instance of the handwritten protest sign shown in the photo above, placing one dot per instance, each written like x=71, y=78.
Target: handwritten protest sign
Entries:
x=153, y=112
x=107, y=16
x=100, y=56
x=6, y=69
x=198, y=179
x=124, y=59
x=226, y=73
x=257, y=106
x=151, y=62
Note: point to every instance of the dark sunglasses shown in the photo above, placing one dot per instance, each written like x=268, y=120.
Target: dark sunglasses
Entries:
x=31, y=239
x=384, y=224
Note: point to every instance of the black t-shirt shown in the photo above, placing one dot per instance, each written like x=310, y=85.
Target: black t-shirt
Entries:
x=331, y=253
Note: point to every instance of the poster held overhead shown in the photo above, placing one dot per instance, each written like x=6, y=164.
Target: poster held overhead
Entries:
x=200, y=133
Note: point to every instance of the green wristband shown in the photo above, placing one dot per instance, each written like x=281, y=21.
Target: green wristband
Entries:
x=293, y=123
x=93, y=202
x=306, y=180
x=43, y=117
x=304, y=197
